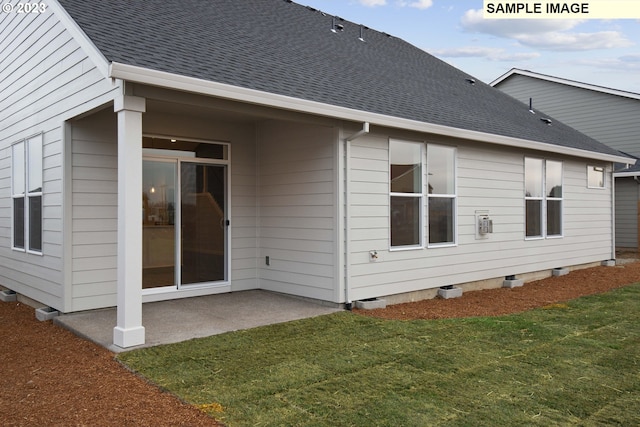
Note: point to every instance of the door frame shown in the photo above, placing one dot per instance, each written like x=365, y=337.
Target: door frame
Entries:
x=196, y=289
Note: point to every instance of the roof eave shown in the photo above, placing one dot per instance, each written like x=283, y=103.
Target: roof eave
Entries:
x=148, y=76
x=567, y=82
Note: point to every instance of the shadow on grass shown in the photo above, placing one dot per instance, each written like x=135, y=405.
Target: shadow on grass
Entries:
x=573, y=363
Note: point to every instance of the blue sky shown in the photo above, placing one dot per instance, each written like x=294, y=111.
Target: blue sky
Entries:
x=599, y=52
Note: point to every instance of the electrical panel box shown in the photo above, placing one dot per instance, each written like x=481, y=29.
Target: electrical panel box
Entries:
x=484, y=225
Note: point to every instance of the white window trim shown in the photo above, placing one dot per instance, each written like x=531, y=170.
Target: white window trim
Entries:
x=421, y=215
x=451, y=196
x=543, y=204
x=604, y=177
x=424, y=206
x=26, y=196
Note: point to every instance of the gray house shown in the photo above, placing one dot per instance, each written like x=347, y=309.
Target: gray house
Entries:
x=608, y=115
x=156, y=150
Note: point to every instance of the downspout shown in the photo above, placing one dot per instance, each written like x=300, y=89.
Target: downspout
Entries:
x=613, y=213
x=347, y=212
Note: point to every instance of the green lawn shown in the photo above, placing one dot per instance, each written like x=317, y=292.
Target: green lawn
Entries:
x=568, y=364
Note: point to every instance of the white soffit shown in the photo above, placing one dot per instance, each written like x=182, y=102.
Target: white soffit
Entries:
x=148, y=76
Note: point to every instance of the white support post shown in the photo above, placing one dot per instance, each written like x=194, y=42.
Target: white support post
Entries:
x=129, y=331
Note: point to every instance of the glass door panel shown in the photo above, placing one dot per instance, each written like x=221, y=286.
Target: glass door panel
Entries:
x=203, y=223
x=158, y=224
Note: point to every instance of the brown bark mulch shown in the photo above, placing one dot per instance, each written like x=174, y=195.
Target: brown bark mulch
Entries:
x=50, y=377
x=500, y=301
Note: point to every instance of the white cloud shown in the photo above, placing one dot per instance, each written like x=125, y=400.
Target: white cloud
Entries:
x=418, y=4
x=373, y=3
x=492, y=54
x=575, y=41
x=421, y=4
x=547, y=34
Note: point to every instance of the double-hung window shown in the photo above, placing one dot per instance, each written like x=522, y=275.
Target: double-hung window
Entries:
x=26, y=184
x=406, y=194
x=441, y=171
x=543, y=198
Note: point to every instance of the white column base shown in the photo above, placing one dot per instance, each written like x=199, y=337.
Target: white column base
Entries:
x=128, y=337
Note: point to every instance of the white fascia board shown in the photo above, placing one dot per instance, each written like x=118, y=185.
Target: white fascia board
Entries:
x=565, y=82
x=147, y=76
x=625, y=174
x=80, y=37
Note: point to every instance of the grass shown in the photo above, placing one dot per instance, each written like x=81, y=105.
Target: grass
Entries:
x=568, y=364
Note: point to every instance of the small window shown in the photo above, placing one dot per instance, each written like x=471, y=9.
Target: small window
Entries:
x=595, y=177
x=406, y=193
x=26, y=184
x=543, y=209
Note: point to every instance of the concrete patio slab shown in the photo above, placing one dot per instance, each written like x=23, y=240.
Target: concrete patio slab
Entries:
x=180, y=320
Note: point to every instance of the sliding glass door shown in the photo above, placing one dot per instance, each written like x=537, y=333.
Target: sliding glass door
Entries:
x=202, y=209
x=184, y=223
x=159, y=198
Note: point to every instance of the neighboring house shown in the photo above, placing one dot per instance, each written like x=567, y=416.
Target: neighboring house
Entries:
x=608, y=115
x=155, y=150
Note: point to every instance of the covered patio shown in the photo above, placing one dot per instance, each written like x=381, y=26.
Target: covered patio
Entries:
x=178, y=320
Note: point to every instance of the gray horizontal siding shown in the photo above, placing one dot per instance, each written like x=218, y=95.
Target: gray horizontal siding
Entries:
x=610, y=119
x=297, y=209
x=488, y=179
x=45, y=79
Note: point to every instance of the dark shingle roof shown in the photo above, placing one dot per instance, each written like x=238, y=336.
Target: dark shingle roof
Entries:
x=281, y=47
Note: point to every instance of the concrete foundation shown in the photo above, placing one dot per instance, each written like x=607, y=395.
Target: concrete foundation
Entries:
x=371, y=304
x=453, y=292
x=8, y=296
x=560, y=271
x=512, y=283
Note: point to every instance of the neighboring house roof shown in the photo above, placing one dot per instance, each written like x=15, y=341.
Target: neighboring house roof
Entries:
x=282, y=48
x=581, y=85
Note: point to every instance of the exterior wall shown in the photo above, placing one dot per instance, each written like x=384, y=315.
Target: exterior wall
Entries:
x=296, y=196
x=94, y=211
x=488, y=178
x=627, y=212
x=610, y=119
x=242, y=139
x=45, y=79
x=95, y=186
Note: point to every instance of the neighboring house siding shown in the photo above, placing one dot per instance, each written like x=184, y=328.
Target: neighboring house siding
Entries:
x=608, y=118
x=488, y=179
x=296, y=199
x=626, y=213
x=94, y=161
x=45, y=79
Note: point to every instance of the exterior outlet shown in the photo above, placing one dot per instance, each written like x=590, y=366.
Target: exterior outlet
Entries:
x=373, y=256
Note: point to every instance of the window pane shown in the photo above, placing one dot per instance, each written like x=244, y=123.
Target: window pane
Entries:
x=405, y=221
x=406, y=167
x=533, y=177
x=34, y=147
x=441, y=219
x=203, y=223
x=18, y=222
x=441, y=169
x=554, y=179
x=17, y=153
x=35, y=223
x=554, y=217
x=534, y=218
x=595, y=176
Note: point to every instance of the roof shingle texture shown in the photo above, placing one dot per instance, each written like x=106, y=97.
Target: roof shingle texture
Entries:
x=284, y=48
